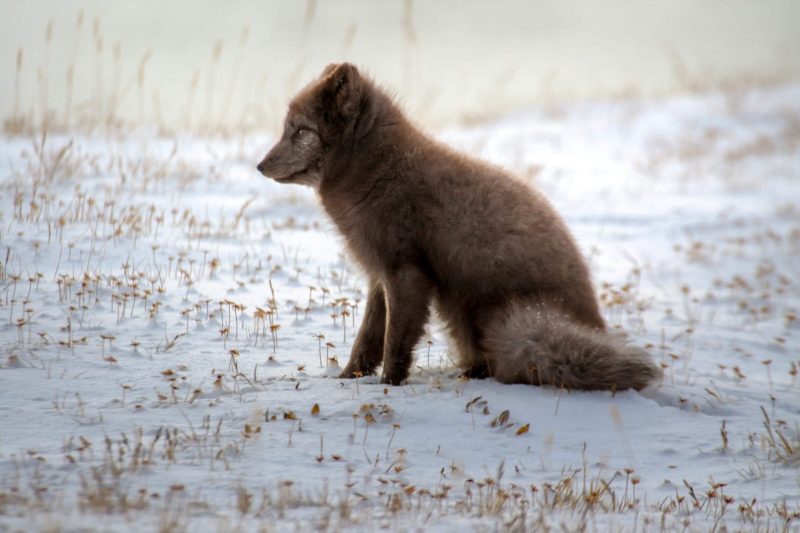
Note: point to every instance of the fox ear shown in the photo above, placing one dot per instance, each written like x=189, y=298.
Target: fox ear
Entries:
x=327, y=70
x=342, y=90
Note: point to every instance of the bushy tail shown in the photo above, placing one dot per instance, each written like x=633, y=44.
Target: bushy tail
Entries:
x=538, y=345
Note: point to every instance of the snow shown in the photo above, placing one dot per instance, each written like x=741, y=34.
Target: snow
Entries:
x=183, y=408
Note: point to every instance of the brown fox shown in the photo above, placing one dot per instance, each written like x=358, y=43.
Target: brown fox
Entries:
x=431, y=225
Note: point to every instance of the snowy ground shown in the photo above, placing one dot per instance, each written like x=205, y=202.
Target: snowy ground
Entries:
x=171, y=324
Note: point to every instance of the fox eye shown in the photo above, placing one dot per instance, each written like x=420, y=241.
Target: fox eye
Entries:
x=300, y=132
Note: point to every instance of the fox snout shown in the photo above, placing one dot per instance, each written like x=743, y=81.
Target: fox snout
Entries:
x=278, y=163
x=294, y=159
x=272, y=166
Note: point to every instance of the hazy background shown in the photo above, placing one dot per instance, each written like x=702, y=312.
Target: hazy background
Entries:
x=214, y=66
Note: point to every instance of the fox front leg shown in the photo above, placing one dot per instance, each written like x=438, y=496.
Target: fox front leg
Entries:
x=408, y=293
x=368, y=349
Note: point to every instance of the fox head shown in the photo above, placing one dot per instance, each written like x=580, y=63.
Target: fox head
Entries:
x=323, y=119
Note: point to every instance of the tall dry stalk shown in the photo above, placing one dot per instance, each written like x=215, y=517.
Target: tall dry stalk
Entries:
x=410, y=34
x=17, y=84
x=311, y=10
x=157, y=110
x=140, y=77
x=70, y=78
x=44, y=77
x=349, y=36
x=195, y=81
x=116, y=74
x=98, y=49
x=216, y=53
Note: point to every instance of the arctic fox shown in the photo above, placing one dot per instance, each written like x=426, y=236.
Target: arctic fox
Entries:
x=429, y=224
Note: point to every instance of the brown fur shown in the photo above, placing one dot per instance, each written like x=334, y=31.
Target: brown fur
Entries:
x=429, y=224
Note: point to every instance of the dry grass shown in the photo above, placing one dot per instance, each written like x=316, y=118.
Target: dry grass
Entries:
x=210, y=102
x=592, y=499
